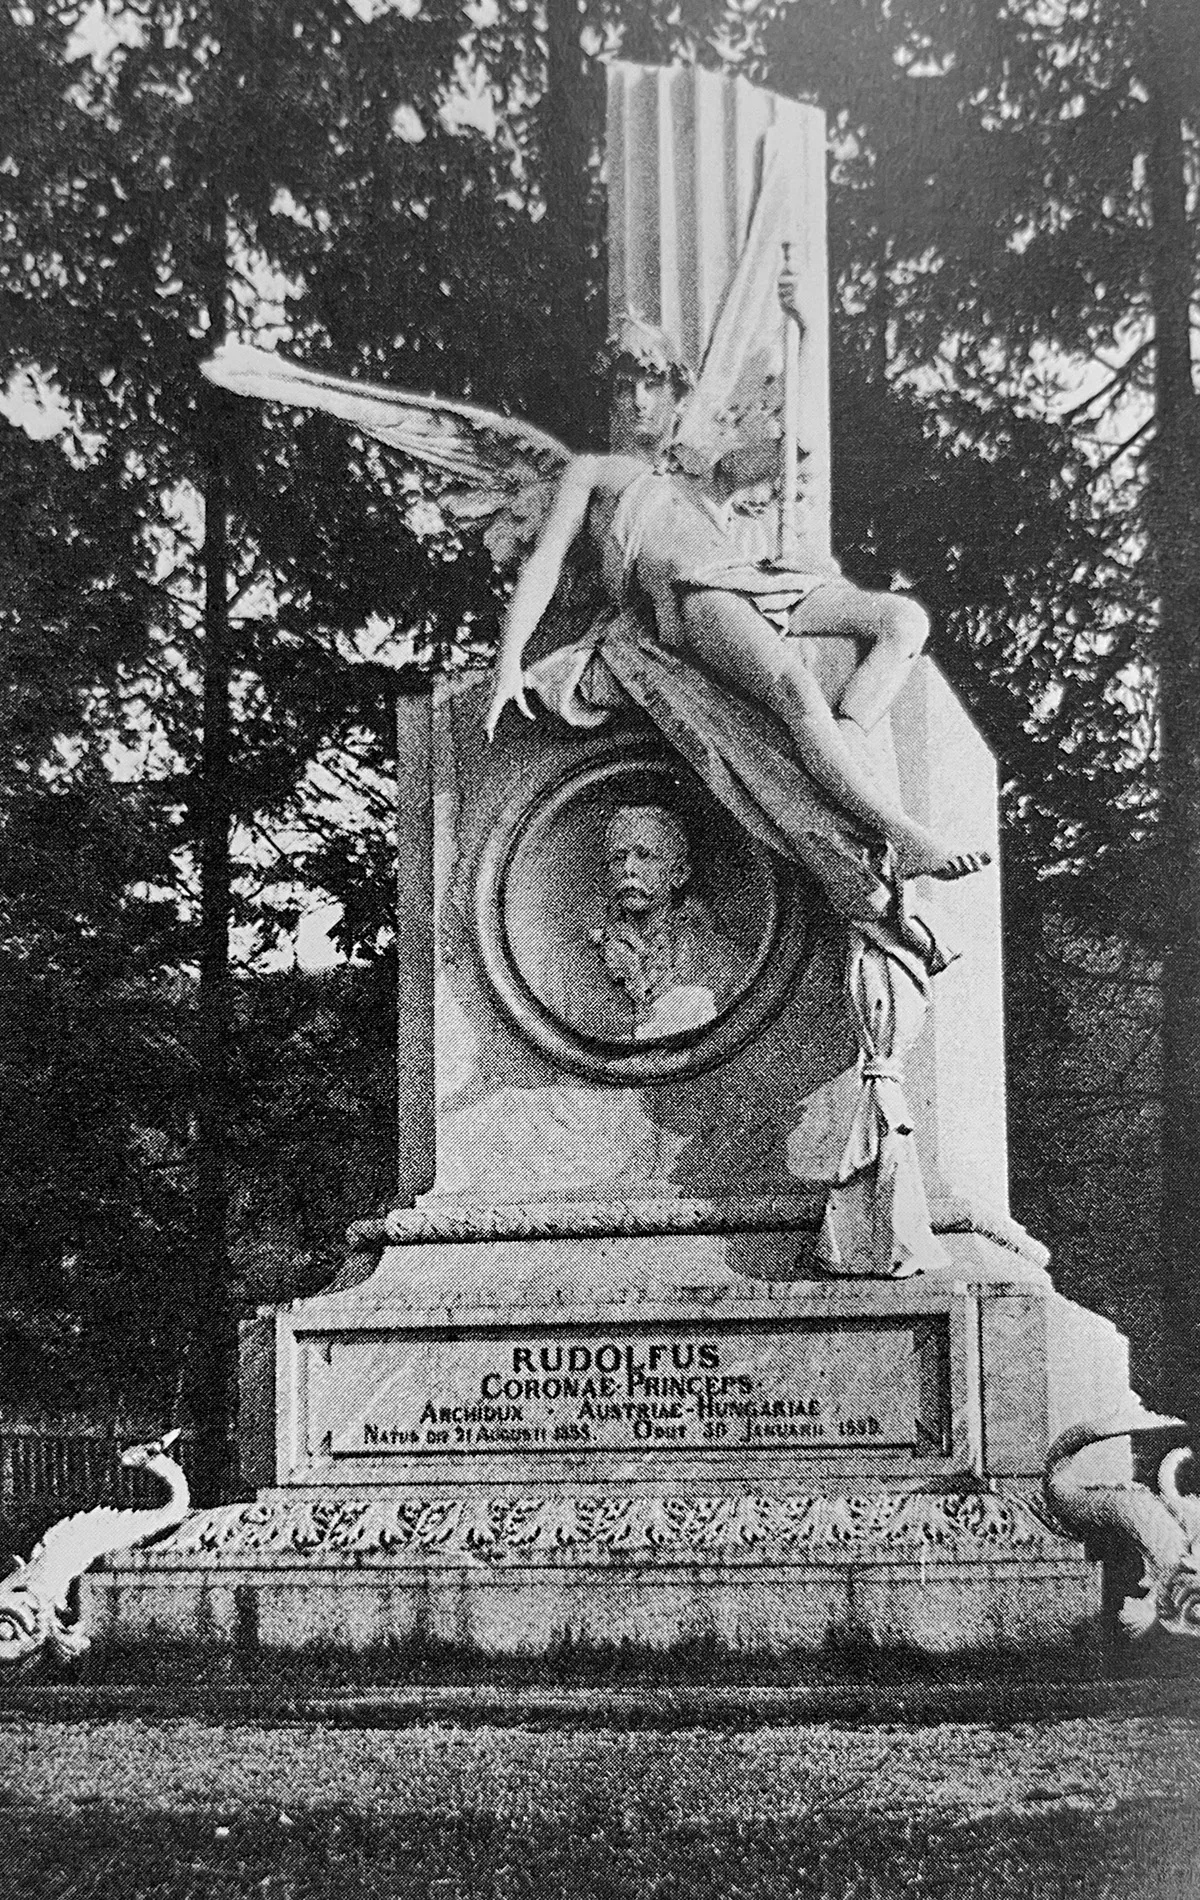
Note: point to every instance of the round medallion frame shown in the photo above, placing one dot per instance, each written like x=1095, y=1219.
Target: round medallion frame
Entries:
x=580, y=795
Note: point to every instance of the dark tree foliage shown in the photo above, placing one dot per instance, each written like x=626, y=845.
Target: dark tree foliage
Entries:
x=94, y=1127
x=182, y=557
x=1014, y=194
x=253, y=163
x=991, y=225
x=314, y=1121
x=143, y=189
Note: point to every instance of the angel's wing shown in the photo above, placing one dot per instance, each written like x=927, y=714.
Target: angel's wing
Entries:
x=500, y=472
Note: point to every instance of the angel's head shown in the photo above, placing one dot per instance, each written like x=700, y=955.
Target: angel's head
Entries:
x=646, y=379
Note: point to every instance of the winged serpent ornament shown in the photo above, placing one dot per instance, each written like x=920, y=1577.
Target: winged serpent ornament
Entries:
x=39, y=1599
x=1162, y=1526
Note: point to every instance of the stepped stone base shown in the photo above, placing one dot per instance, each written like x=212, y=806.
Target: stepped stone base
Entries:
x=940, y=1573
x=643, y=1445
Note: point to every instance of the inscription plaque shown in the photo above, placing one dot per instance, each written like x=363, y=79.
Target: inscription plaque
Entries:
x=721, y=1388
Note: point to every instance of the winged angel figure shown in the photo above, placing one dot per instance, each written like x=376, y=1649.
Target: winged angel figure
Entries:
x=40, y=1603
x=634, y=570
x=641, y=584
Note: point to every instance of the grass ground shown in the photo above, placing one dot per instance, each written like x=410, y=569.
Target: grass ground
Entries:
x=1102, y=1807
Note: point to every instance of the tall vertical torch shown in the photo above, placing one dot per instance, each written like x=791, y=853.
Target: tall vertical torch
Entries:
x=789, y=453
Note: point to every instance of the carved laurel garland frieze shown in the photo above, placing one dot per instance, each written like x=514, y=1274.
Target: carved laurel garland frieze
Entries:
x=948, y=1526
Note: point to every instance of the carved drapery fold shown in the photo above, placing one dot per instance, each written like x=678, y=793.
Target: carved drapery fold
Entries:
x=876, y=1222
x=685, y=155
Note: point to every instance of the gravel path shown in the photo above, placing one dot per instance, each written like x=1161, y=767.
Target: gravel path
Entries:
x=523, y=1776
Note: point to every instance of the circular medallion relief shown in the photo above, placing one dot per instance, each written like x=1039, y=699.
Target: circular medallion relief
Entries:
x=630, y=928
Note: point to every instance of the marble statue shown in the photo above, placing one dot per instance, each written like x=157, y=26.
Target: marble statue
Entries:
x=643, y=577
x=38, y=1607
x=658, y=942
x=637, y=558
x=667, y=552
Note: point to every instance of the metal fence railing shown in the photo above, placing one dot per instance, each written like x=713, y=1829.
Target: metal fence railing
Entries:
x=49, y=1468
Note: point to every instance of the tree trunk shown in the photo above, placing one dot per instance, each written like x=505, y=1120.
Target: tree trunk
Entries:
x=213, y=1329
x=568, y=133
x=1175, y=508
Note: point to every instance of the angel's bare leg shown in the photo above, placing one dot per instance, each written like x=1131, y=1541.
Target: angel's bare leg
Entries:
x=728, y=635
x=895, y=627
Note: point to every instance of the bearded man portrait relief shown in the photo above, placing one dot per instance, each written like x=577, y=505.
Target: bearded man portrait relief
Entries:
x=658, y=943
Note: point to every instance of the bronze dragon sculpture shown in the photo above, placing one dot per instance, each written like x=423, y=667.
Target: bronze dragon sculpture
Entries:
x=39, y=1600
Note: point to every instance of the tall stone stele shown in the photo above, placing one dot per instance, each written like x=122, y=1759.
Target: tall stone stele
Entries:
x=584, y=1381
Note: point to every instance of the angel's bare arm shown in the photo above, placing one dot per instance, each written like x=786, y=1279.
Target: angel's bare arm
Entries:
x=538, y=580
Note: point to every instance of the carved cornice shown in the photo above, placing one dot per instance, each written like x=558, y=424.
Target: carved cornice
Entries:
x=453, y=1219
x=882, y=1527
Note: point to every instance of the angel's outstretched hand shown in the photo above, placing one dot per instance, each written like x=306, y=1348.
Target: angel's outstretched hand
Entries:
x=509, y=690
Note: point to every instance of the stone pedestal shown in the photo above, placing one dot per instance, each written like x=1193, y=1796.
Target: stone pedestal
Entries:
x=503, y=1103
x=586, y=1386
x=516, y=1444
x=583, y=1383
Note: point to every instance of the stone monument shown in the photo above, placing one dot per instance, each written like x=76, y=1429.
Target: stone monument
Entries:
x=697, y=1316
